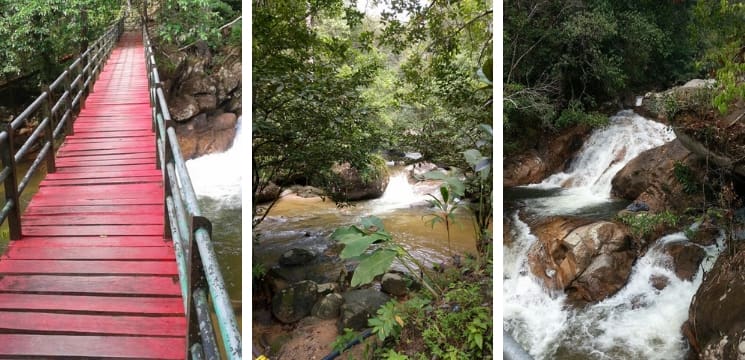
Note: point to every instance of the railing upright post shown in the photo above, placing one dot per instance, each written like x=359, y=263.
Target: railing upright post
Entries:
x=69, y=130
x=49, y=130
x=196, y=282
x=167, y=158
x=11, y=190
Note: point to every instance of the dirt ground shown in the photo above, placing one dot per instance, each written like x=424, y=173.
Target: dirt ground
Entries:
x=309, y=339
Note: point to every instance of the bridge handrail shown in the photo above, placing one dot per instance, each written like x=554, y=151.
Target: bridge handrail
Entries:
x=58, y=113
x=199, y=272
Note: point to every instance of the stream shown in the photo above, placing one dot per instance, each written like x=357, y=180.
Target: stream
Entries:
x=638, y=322
x=297, y=222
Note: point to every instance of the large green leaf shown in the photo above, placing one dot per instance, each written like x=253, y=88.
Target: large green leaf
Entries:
x=372, y=223
x=376, y=264
x=355, y=246
x=345, y=234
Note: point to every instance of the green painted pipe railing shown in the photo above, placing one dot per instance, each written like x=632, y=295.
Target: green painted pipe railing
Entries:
x=57, y=106
x=202, y=285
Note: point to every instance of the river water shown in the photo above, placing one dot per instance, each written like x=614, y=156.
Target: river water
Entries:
x=638, y=322
x=297, y=222
x=217, y=182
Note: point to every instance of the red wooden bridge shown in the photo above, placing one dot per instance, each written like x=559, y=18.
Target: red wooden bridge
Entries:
x=94, y=271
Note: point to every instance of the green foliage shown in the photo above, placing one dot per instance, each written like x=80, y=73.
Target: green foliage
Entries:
x=563, y=58
x=37, y=36
x=388, y=322
x=460, y=334
x=308, y=110
x=258, y=270
x=394, y=355
x=342, y=340
x=643, y=224
x=445, y=207
x=183, y=22
x=685, y=177
x=720, y=31
x=575, y=114
x=374, y=260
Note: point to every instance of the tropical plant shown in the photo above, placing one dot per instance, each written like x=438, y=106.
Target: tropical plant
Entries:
x=388, y=322
x=375, y=260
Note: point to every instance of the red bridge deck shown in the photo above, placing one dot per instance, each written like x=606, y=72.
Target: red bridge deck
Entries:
x=92, y=275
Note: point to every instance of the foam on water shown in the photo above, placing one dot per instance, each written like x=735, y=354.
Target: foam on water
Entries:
x=638, y=322
x=219, y=175
x=608, y=150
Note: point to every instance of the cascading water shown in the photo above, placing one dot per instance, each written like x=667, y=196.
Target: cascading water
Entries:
x=587, y=181
x=218, y=176
x=638, y=322
x=217, y=182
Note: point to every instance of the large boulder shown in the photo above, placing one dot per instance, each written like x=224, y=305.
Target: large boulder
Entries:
x=198, y=84
x=351, y=184
x=394, y=284
x=328, y=306
x=663, y=105
x=268, y=193
x=294, y=302
x=588, y=260
x=206, y=135
x=360, y=305
x=183, y=107
x=651, y=179
x=716, y=318
x=545, y=159
x=228, y=79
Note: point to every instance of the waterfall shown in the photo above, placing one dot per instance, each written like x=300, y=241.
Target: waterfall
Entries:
x=638, y=322
x=587, y=181
x=608, y=150
x=218, y=176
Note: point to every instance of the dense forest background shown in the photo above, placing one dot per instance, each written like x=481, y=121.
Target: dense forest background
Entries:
x=569, y=62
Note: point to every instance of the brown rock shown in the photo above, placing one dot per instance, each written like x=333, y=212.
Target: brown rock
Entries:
x=267, y=194
x=206, y=102
x=686, y=258
x=717, y=313
x=546, y=158
x=228, y=79
x=351, y=186
x=590, y=261
x=183, y=107
x=198, y=84
x=650, y=178
x=659, y=282
x=224, y=121
x=200, y=138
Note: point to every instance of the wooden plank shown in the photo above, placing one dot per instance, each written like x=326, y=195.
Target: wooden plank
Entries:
x=92, y=304
x=89, y=285
x=76, y=219
x=98, y=152
x=103, y=174
x=89, y=169
x=95, y=267
x=90, y=253
x=97, y=189
x=69, y=162
x=116, y=156
x=114, y=347
x=110, y=181
x=94, y=209
x=38, y=322
x=92, y=241
x=52, y=201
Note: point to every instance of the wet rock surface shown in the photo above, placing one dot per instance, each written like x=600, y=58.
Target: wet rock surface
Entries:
x=360, y=305
x=294, y=302
x=588, y=260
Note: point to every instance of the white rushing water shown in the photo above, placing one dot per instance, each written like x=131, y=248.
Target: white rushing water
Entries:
x=638, y=322
x=587, y=181
x=218, y=176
